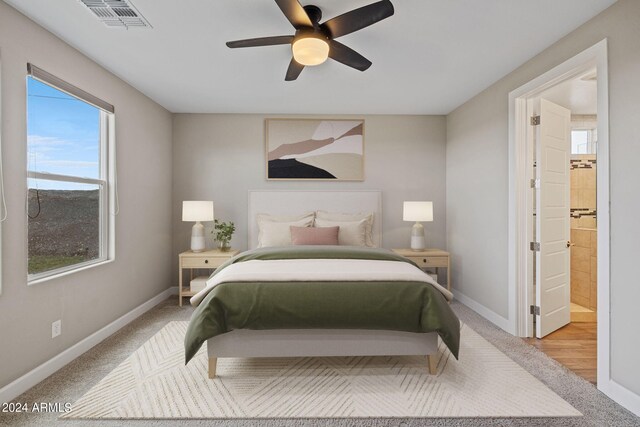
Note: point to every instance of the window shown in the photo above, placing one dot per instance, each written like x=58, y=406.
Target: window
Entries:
x=583, y=141
x=67, y=177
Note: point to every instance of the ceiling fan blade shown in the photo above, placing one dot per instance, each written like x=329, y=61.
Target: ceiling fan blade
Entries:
x=357, y=19
x=261, y=41
x=293, y=71
x=295, y=13
x=347, y=56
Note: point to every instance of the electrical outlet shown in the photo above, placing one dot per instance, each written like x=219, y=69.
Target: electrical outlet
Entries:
x=56, y=328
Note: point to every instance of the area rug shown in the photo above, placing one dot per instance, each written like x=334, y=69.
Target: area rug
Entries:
x=154, y=383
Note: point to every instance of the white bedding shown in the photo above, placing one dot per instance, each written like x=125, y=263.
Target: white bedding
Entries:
x=300, y=270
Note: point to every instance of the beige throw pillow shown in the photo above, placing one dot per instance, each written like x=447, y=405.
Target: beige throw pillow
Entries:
x=337, y=216
x=280, y=234
x=351, y=233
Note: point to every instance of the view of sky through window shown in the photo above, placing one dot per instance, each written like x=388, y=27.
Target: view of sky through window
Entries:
x=63, y=139
x=63, y=135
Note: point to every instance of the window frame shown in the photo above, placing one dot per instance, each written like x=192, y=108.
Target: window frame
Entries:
x=588, y=123
x=592, y=140
x=105, y=181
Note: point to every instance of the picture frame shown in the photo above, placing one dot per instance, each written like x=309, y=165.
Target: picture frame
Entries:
x=314, y=149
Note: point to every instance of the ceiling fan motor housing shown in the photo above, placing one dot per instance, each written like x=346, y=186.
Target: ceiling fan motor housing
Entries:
x=310, y=32
x=314, y=12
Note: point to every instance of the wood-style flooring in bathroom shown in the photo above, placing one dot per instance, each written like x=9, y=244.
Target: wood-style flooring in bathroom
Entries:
x=575, y=346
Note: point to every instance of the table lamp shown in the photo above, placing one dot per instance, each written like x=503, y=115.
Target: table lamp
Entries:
x=197, y=211
x=417, y=211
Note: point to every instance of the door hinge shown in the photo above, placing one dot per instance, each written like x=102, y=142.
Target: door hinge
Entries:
x=534, y=246
x=535, y=120
x=535, y=183
x=534, y=309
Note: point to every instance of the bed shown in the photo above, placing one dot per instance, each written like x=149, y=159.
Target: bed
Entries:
x=301, y=301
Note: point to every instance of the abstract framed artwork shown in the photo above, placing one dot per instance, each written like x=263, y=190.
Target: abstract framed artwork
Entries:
x=315, y=149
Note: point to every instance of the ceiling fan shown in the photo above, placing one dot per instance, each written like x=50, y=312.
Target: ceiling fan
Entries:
x=313, y=42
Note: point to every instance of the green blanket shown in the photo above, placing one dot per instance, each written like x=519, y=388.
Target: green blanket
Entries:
x=398, y=306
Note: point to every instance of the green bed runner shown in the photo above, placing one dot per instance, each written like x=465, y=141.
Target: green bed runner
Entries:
x=396, y=305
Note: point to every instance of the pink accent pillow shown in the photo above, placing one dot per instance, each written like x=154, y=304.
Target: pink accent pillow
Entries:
x=314, y=235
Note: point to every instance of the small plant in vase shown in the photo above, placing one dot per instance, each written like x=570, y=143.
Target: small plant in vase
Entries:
x=222, y=233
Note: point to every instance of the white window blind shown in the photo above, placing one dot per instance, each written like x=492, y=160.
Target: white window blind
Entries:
x=72, y=90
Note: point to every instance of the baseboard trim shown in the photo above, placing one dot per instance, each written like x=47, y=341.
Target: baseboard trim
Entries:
x=615, y=391
x=483, y=311
x=621, y=395
x=36, y=375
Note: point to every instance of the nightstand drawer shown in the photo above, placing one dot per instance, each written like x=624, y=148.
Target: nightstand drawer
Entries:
x=190, y=260
x=430, y=261
x=202, y=262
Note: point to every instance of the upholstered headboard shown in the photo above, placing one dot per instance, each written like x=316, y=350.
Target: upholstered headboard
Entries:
x=297, y=202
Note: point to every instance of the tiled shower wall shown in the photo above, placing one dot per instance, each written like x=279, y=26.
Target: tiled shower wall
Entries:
x=584, y=268
x=583, y=191
x=583, y=231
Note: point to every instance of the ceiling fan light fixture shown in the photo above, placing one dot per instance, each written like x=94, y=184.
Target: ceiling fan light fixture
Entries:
x=310, y=50
x=314, y=41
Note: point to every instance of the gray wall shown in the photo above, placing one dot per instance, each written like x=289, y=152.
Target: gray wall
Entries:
x=477, y=180
x=220, y=157
x=88, y=300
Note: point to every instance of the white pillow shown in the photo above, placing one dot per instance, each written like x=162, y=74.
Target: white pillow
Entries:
x=284, y=218
x=351, y=233
x=278, y=233
x=336, y=216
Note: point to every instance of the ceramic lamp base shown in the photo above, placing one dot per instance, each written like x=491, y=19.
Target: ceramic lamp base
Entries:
x=198, y=243
x=417, y=237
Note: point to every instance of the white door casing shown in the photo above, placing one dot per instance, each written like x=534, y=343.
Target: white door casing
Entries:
x=553, y=279
x=520, y=321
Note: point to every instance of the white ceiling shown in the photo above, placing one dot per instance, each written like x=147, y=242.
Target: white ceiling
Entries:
x=428, y=58
x=578, y=94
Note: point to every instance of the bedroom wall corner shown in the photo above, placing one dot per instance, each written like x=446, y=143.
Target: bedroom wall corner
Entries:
x=477, y=146
x=88, y=300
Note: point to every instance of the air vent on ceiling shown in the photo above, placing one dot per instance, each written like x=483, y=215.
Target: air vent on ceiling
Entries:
x=117, y=13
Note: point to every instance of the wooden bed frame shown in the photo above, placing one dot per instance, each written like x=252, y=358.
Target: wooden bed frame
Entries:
x=318, y=342
x=321, y=343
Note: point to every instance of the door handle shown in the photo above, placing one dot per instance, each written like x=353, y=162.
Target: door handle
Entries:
x=569, y=244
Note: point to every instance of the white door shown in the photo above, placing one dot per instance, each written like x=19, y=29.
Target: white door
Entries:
x=552, y=218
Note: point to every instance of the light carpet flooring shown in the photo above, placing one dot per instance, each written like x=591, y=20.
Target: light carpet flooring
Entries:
x=77, y=378
x=154, y=383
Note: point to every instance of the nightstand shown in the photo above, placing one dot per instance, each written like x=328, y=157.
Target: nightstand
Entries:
x=429, y=258
x=199, y=260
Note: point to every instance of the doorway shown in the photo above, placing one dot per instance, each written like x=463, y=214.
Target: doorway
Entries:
x=540, y=257
x=565, y=223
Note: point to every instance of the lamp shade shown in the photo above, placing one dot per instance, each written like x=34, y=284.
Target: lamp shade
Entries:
x=417, y=211
x=197, y=211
